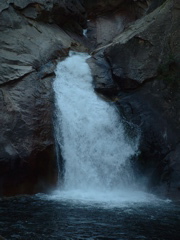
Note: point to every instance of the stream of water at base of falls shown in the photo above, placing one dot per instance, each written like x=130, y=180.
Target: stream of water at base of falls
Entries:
x=99, y=197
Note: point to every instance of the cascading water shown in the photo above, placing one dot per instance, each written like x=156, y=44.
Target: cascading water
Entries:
x=93, y=145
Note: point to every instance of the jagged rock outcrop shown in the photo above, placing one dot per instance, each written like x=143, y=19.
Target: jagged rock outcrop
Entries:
x=148, y=44
x=144, y=62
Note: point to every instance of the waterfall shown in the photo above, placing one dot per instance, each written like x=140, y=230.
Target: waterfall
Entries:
x=95, y=150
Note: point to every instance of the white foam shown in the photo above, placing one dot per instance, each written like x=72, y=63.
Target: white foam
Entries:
x=92, y=139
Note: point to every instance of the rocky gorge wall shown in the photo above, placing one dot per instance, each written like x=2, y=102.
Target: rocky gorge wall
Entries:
x=34, y=34
x=143, y=78
x=135, y=62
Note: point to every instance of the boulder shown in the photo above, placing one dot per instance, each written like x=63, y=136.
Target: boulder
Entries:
x=145, y=46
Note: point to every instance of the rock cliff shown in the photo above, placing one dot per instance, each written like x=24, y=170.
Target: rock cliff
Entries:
x=34, y=34
x=135, y=62
x=143, y=77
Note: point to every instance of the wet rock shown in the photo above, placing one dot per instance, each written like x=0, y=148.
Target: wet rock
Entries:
x=69, y=15
x=27, y=44
x=153, y=109
x=107, y=19
x=144, y=64
x=26, y=134
x=31, y=44
x=101, y=71
x=139, y=51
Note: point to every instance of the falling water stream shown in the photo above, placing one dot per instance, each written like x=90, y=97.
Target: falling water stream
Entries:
x=91, y=137
x=99, y=198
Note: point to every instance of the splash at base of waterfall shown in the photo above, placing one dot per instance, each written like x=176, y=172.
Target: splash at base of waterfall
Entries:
x=107, y=199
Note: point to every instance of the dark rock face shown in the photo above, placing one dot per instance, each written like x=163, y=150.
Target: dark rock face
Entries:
x=150, y=107
x=31, y=41
x=107, y=19
x=63, y=13
x=142, y=50
x=26, y=132
x=144, y=62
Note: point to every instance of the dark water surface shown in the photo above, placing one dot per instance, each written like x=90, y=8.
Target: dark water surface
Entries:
x=37, y=218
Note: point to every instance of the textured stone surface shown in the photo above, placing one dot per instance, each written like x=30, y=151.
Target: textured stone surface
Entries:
x=26, y=45
x=153, y=108
x=139, y=51
x=107, y=19
x=31, y=42
x=95, y=8
x=144, y=62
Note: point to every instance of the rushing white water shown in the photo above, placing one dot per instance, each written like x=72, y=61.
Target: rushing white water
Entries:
x=95, y=150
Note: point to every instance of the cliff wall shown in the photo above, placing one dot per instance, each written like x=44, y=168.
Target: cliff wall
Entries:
x=135, y=62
